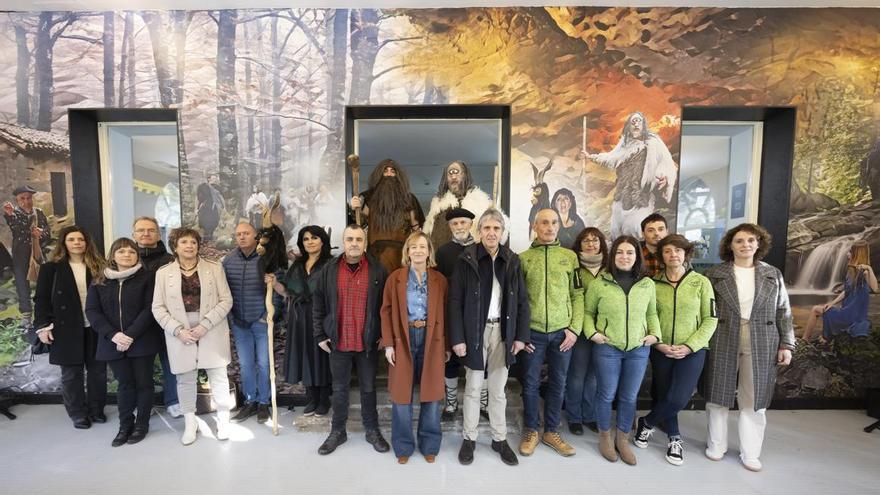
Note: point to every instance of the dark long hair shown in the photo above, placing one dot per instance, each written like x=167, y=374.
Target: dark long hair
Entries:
x=638, y=268
x=318, y=232
x=467, y=182
x=91, y=257
x=595, y=232
x=573, y=211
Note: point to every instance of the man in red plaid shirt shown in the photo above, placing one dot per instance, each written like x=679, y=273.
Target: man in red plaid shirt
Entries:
x=345, y=310
x=654, y=229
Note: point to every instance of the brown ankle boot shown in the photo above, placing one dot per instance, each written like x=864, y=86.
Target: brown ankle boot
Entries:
x=606, y=446
x=621, y=441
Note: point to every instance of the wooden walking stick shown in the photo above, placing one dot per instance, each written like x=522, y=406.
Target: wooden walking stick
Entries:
x=273, y=257
x=354, y=163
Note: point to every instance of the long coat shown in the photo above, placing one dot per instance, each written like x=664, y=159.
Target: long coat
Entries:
x=212, y=350
x=466, y=315
x=395, y=333
x=57, y=303
x=130, y=300
x=771, y=329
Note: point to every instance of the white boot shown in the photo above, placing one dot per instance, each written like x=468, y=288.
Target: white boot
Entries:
x=222, y=425
x=190, y=430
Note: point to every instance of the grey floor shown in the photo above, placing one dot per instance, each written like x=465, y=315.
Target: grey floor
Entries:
x=805, y=452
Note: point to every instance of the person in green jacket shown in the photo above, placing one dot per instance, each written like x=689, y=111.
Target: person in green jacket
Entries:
x=686, y=307
x=556, y=300
x=580, y=384
x=620, y=316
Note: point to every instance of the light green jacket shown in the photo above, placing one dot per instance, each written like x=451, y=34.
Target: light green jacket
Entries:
x=556, y=291
x=624, y=318
x=686, y=311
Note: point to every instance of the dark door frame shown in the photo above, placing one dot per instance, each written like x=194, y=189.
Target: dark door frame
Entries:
x=777, y=160
x=427, y=112
x=85, y=161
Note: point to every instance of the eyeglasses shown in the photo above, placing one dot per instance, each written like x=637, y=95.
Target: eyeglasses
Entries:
x=590, y=241
x=146, y=231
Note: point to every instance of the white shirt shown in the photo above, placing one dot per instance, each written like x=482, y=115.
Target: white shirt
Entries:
x=79, y=274
x=495, y=299
x=745, y=288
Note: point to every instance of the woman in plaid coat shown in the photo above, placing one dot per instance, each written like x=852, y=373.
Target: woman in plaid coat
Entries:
x=753, y=337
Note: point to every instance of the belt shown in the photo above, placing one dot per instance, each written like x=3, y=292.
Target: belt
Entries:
x=418, y=324
x=493, y=320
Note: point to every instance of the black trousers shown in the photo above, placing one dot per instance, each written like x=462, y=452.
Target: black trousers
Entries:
x=84, y=394
x=341, y=364
x=135, y=391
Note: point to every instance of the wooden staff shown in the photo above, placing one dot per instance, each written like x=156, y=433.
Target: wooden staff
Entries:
x=496, y=184
x=354, y=163
x=270, y=324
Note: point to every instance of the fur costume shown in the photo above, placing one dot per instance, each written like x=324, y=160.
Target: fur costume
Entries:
x=475, y=201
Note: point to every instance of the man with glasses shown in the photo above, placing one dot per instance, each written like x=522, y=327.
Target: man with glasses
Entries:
x=153, y=255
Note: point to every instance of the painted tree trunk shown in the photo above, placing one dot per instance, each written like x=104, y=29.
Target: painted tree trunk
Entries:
x=109, y=41
x=227, y=129
x=43, y=76
x=22, y=78
x=364, y=47
x=337, y=31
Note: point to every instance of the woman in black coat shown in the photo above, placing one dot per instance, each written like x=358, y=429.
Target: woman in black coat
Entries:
x=119, y=306
x=59, y=303
x=305, y=361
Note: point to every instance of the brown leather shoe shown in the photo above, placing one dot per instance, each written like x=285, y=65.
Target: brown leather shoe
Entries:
x=554, y=440
x=606, y=446
x=621, y=441
x=403, y=459
x=529, y=442
x=430, y=458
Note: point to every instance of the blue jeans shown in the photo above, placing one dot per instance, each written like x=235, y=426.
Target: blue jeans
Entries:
x=429, y=434
x=169, y=380
x=251, y=343
x=546, y=347
x=676, y=380
x=618, y=373
x=580, y=385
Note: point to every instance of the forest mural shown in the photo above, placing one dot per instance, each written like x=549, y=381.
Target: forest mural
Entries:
x=261, y=97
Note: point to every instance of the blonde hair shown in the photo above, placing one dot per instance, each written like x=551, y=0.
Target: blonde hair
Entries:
x=859, y=254
x=404, y=257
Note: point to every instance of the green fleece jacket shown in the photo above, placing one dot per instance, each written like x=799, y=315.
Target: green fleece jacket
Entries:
x=551, y=274
x=624, y=318
x=687, y=310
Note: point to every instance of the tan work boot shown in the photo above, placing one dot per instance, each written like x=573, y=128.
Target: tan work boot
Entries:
x=529, y=442
x=621, y=441
x=554, y=440
x=606, y=446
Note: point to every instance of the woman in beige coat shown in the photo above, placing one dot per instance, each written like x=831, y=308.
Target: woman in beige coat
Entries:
x=190, y=303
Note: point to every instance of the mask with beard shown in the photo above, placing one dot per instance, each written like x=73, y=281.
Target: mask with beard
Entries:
x=389, y=202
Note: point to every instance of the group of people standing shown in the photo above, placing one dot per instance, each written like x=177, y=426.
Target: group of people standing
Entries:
x=595, y=315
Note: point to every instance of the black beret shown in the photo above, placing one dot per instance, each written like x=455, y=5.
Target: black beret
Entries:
x=458, y=213
x=23, y=189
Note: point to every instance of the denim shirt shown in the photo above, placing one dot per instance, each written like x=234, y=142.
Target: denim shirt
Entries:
x=417, y=296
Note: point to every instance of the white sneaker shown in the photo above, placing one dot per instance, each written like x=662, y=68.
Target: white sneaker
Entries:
x=174, y=411
x=191, y=429
x=753, y=465
x=714, y=454
x=223, y=425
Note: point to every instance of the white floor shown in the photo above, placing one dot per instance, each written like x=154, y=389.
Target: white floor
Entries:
x=805, y=452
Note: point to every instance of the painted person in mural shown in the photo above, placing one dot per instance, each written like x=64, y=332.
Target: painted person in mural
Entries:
x=753, y=338
x=851, y=317
x=210, y=205
x=392, y=212
x=456, y=190
x=256, y=204
x=570, y=223
x=645, y=171
x=30, y=236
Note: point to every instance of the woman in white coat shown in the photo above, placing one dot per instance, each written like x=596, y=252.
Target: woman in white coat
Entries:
x=190, y=303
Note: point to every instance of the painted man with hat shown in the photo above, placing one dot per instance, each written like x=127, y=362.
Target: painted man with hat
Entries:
x=28, y=225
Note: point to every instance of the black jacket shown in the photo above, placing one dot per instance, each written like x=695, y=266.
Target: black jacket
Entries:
x=155, y=258
x=447, y=256
x=131, y=300
x=467, y=304
x=57, y=303
x=325, y=297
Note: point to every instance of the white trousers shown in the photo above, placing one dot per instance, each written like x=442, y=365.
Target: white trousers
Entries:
x=187, y=387
x=751, y=423
x=495, y=359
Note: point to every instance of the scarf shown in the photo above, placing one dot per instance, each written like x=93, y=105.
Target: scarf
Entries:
x=466, y=242
x=592, y=262
x=112, y=274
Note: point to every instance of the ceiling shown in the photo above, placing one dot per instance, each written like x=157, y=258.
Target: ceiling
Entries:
x=97, y=5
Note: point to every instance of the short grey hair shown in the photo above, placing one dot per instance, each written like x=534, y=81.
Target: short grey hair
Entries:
x=492, y=213
x=145, y=219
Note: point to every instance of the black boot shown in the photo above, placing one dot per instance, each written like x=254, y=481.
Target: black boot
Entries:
x=335, y=439
x=466, y=453
x=314, y=395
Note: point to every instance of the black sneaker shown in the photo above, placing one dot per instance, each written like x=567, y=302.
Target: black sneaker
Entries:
x=643, y=434
x=262, y=413
x=335, y=439
x=322, y=409
x=507, y=455
x=310, y=408
x=466, y=453
x=246, y=411
x=674, y=452
x=98, y=417
x=375, y=438
x=576, y=428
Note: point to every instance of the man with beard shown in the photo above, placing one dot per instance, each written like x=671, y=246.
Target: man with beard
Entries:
x=456, y=190
x=392, y=212
x=210, y=205
x=644, y=168
x=30, y=235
